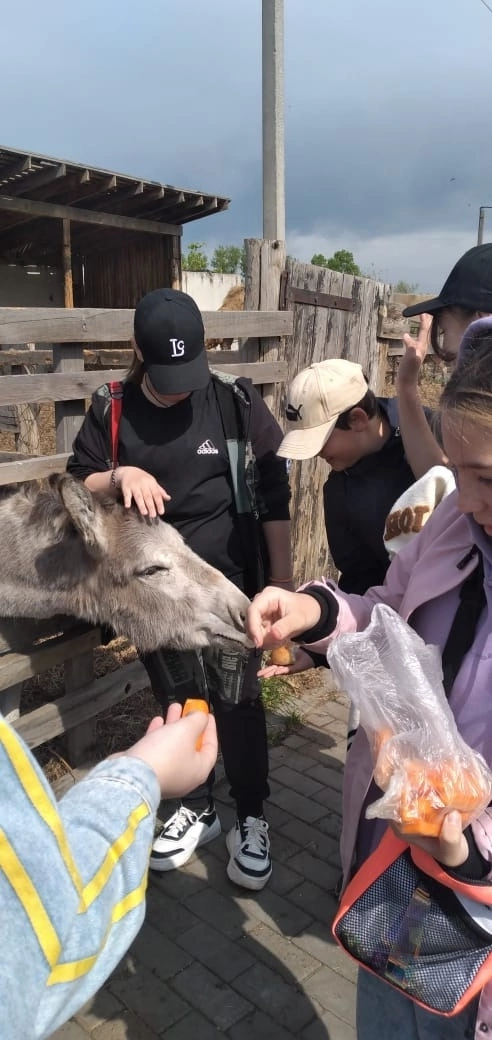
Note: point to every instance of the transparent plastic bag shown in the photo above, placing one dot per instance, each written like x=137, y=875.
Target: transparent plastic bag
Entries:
x=421, y=763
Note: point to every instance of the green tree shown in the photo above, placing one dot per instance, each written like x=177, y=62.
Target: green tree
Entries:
x=226, y=259
x=319, y=260
x=406, y=287
x=342, y=260
x=195, y=259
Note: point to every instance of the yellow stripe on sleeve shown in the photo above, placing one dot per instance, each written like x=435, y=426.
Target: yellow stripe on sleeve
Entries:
x=76, y=969
x=38, y=797
x=32, y=905
x=94, y=887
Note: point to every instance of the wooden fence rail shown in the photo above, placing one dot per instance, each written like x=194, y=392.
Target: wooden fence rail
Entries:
x=86, y=325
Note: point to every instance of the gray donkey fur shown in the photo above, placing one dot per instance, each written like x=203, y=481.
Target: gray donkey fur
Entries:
x=67, y=550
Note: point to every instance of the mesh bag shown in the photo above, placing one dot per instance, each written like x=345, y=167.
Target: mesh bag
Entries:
x=413, y=932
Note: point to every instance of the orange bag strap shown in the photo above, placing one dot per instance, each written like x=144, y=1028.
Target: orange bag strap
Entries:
x=481, y=892
x=115, y=409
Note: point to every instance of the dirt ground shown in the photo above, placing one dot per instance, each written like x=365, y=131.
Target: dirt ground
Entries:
x=123, y=724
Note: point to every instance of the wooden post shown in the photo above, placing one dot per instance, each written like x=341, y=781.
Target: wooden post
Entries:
x=176, y=270
x=67, y=264
x=79, y=671
x=68, y=357
x=273, y=120
x=265, y=263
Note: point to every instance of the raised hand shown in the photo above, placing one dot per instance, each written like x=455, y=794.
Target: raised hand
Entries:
x=413, y=358
x=276, y=615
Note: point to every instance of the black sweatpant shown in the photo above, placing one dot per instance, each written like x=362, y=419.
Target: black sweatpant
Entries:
x=228, y=681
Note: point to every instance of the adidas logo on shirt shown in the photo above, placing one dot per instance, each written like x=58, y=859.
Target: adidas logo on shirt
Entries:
x=207, y=448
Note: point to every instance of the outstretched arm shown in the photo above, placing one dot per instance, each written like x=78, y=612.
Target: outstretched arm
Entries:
x=73, y=876
x=421, y=448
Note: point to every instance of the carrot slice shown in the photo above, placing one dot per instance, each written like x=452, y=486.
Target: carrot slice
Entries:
x=195, y=704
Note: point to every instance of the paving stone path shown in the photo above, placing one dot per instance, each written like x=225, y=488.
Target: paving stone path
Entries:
x=213, y=960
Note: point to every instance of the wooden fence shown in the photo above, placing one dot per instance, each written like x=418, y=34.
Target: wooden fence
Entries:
x=334, y=315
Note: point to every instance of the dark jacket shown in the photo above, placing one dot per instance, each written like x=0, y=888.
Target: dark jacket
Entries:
x=357, y=502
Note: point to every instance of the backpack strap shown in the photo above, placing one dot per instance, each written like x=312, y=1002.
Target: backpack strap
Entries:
x=115, y=409
x=462, y=631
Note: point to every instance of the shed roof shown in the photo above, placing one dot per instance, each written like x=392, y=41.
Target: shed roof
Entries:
x=25, y=176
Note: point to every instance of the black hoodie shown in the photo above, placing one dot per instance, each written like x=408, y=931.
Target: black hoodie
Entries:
x=357, y=502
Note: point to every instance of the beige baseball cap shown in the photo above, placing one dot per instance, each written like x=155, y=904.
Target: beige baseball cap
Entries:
x=316, y=398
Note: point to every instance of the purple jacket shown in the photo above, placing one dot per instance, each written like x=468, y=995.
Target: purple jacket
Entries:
x=423, y=582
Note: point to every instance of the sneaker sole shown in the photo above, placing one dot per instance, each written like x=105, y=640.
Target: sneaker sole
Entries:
x=179, y=860
x=235, y=874
x=255, y=884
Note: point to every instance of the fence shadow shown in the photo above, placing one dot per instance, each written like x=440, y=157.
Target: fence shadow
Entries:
x=217, y=960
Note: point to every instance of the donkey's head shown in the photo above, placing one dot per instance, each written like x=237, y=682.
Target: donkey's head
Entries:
x=99, y=561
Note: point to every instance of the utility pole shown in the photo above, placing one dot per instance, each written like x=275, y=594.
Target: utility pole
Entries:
x=273, y=120
x=481, y=223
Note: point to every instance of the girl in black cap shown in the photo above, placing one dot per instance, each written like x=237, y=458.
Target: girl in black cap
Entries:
x=465, y=296
x=198, y=449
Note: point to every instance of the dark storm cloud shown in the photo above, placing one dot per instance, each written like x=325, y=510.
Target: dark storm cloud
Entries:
x=387, y=107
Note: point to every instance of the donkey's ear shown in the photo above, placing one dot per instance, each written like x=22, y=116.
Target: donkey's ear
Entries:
x=85, y=513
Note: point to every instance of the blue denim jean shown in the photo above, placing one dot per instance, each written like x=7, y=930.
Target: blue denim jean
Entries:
x=385, y=1014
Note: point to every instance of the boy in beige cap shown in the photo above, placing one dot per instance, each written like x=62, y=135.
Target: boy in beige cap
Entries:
x=332, y=413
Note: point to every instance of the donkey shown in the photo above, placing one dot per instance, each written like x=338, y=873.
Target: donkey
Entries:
x=67, y=550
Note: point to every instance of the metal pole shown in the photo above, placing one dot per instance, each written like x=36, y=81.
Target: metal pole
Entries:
x=481, y=222
x=273, y=119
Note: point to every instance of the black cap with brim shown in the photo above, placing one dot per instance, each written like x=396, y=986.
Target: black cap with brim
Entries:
x=424, y=307
x=170, y=335
x=182, y=377
x=469, y=285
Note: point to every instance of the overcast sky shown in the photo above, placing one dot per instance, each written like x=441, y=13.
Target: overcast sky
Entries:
x=388, y=114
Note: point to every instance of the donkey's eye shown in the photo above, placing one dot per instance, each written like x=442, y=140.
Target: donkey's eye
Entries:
x=149, y=571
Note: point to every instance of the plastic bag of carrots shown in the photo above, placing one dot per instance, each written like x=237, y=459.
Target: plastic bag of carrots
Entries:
x=421, y=763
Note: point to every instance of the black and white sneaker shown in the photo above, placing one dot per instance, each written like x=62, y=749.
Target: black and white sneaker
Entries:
x=181, y=835
x=248, y=845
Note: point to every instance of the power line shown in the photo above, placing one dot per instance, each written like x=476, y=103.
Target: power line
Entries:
x=485, y=4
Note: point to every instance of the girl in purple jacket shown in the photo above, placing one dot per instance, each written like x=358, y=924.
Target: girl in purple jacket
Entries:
x=423, y=585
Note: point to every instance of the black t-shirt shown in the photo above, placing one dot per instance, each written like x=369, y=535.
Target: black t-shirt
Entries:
x=184, y=448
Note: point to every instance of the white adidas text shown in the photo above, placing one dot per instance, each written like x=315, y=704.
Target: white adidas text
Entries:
x=207, y=448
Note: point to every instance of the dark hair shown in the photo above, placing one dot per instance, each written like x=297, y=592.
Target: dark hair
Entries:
x=434, y=334
x=468, y=393
x=135, y=372
x=369, y=405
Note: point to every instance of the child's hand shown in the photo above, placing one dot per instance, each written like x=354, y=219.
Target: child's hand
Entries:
x=275, y=616
x=170, y=750
x=301, y=663
x=413, y=358
x=450, y=848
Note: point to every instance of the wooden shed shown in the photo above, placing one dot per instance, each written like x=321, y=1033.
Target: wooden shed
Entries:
x=89, y=237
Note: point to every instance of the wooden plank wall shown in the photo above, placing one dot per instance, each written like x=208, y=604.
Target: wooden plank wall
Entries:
x=319, y=333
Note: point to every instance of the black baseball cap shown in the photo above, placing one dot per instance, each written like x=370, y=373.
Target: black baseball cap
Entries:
x=469, y=285
x=168, y=329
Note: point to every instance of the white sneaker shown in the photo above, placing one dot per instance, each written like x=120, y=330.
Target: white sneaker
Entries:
x=248, y=845
x=181, y=835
